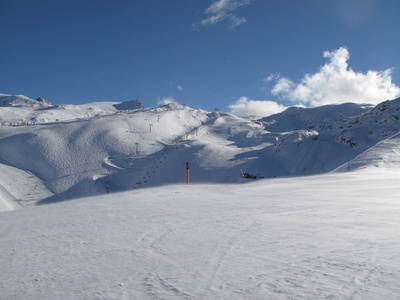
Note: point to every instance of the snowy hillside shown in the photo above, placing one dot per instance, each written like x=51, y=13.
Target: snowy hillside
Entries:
x=334, y=235
x=92, y=149
x=21, y=110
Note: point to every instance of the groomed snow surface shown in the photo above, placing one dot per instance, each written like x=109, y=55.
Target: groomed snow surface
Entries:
x=328, y=232
x=334, y=236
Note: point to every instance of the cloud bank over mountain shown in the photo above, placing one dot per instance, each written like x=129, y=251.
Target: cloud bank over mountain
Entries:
x=247, y=107
x=165, y=101
x=334, y=83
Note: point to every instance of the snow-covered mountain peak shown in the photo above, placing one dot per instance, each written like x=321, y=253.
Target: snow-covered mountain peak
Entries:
x=326, y=236
x=81, y=150
x=20, y=110
x=388, y=106
x=21, y=100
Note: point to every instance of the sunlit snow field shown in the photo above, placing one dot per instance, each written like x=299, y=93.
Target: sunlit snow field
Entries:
x=332, y=236
x=321, y=220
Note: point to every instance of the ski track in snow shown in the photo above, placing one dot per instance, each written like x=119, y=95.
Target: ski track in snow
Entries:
x=19, y=188
x=332, y=236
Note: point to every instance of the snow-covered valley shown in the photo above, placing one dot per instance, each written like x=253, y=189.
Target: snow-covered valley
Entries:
x=318, y=217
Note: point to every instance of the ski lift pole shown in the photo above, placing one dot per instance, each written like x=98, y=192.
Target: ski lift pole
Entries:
x=187, y=172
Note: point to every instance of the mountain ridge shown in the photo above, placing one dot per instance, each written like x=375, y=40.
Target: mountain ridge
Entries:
x=96, y=148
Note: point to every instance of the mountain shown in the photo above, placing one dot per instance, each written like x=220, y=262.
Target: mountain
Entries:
x=73, y=151
x=332, y=235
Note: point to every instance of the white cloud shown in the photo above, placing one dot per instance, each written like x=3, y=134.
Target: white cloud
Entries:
x=270, y=78
x=221, y=10
x=165, y=101
x=247, y=107
x=224, y=5
x=336, y=83
x=179, y=87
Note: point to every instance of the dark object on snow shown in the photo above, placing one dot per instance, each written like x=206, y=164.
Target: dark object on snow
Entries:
x=129, y=105
x=43, y=101
x=247, y=175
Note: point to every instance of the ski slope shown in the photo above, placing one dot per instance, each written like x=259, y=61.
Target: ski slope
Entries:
x=95, y=148
x=299, y=231
x=385, y=154
x=19, y=188
x=333, y=236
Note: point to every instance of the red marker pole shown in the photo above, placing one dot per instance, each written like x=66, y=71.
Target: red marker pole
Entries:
x=187, y=173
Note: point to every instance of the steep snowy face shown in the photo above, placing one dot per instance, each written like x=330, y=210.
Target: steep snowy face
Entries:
x=299, y=118
x=356, y=126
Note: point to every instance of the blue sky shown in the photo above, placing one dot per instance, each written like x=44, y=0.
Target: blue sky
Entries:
x=243, y=56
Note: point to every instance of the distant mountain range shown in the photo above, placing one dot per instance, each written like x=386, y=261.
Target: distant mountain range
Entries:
x=58, y=152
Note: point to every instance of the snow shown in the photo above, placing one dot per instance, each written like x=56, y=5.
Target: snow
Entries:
x=333, y=236
x=385, y=154
x=319, y=221
x=16, y=184
x=20, y=110
x=85, y=150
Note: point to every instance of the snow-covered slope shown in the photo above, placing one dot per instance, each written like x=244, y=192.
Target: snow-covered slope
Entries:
x=19, y=188
x=385, y=154
x=21, y=110
x=323, y=237
x=96, y=148
x=329, y=236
